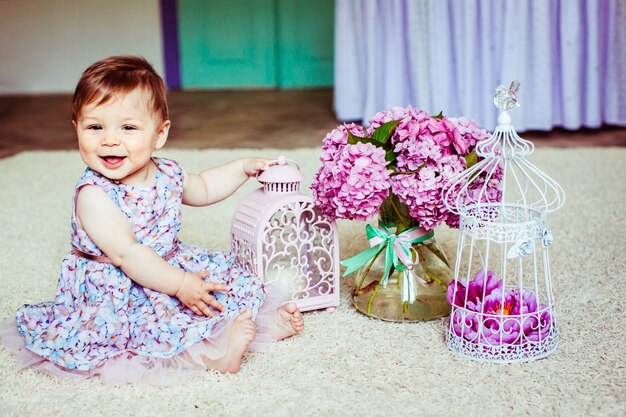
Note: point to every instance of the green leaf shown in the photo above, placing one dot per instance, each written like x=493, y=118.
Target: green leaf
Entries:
x=390, y=155
x=471, y=159
x=383, y=132
x=353, y=139
x=439, y=116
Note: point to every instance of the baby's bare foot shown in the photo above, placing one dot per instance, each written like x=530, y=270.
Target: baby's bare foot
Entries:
x=242, y=333
x=289, y=321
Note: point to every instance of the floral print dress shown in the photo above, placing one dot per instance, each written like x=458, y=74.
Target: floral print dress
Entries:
x=100, y=314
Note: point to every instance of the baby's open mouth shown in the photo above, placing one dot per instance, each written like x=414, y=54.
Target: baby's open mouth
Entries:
x=112, y=161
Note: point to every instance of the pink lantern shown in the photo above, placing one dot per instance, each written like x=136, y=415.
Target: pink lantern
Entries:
x=278, y=234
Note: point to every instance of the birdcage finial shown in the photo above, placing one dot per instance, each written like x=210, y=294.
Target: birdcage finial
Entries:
x=506, y=99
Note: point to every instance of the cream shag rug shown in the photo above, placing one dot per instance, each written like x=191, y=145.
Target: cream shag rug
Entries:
x=344, y=363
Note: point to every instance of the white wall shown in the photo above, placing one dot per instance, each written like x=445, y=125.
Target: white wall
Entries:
x=46, y=44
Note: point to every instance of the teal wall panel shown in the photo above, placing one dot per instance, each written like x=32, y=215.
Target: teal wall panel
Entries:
x=305, y=43
x=227, y=43
x=255, y=43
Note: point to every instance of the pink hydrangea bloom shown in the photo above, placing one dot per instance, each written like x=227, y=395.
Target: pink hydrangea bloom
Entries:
x=337, y=138
x=354, y=184
x=445, y=134
x=469, y=130
x=407, y=115
x=434, y=147
x=421, y=192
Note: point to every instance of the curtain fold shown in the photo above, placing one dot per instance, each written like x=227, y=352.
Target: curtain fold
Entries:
x=449, y=55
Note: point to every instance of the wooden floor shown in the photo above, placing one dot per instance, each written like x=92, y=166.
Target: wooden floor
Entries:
x=227, y=119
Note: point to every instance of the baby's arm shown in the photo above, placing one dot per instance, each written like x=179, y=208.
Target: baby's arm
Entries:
x=215, y=184
x=110, y=230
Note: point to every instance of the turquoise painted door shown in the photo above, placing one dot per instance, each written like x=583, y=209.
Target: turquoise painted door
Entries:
x=255, y=43
x=305, y=43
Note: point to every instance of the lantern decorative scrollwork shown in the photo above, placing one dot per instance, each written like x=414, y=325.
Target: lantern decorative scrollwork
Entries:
x=278, y=234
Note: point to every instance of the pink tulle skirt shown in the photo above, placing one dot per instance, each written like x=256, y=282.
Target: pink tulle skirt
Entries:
x=128, y=367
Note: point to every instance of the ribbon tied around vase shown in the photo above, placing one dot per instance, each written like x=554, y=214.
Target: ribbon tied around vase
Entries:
x=399, y=253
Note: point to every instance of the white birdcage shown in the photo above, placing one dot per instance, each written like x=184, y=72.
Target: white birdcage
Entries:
x=501, y=296
x=278, y=234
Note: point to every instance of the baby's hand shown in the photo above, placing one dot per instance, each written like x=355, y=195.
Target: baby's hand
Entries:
x=194, y=293
x=253, y=165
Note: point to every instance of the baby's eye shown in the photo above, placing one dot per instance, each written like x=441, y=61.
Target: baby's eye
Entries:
x=129, y=127
x=94, y=127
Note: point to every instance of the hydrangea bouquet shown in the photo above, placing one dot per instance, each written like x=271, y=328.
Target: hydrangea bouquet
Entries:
x=395, y=169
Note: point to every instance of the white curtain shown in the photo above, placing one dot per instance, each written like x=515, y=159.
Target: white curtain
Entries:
x=449, y=55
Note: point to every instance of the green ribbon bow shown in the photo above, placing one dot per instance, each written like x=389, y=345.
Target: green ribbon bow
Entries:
x=398, y=249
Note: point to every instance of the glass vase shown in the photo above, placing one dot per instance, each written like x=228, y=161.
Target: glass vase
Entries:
x=433, y=272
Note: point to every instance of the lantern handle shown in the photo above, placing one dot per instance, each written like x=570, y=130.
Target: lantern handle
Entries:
x=281, y=160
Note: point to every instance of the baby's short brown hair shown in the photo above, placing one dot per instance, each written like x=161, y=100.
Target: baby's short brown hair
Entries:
x=119, y=74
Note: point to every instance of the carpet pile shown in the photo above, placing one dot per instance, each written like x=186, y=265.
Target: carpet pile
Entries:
x=344, y=363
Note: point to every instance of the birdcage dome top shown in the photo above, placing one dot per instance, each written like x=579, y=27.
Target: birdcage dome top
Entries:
x=502, y=173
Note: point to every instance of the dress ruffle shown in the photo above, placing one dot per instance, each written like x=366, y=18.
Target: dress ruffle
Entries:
x=130, y=367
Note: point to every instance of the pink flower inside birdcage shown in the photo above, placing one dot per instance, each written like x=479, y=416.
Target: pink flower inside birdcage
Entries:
x=485, y=312
x=280, y=235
